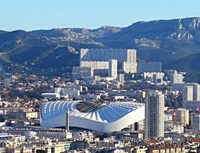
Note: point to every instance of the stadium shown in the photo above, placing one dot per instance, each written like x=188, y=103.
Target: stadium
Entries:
x=87, y=115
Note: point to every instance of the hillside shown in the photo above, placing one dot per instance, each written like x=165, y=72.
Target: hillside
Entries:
x=162, y=40
x=172, y=42
x=189, y=64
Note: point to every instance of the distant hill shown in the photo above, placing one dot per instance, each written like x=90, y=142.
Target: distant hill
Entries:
x=176, y=43
x=190, y=63
x=162, y=40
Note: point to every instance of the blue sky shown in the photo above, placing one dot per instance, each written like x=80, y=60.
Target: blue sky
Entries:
x=47, y=14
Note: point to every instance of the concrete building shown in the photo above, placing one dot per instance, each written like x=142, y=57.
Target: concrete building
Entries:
x=121, y=79
x=112, y=70
x=196, y=92
x=182, y=116
x=158, y=78
x=176, y=77
x=190, y=96
x=99, y=59
x=195, y=122
x=83, y=136
x=121, y=55
x=187, y=94
x=154, y=114
x=168, y=117
x=129, y=67
x=95, y=64
x=154, y=77
x=144, y=66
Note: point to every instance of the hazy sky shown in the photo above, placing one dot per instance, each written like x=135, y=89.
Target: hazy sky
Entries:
x=47, y=14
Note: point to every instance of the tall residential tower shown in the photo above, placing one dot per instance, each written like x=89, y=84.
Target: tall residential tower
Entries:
x=154, y=114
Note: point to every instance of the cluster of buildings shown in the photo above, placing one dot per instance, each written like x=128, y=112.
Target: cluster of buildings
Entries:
x=113, y=103
x=105, y=62
x=113, y=63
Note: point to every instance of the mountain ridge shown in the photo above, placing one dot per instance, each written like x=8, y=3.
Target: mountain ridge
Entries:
x=166, y=41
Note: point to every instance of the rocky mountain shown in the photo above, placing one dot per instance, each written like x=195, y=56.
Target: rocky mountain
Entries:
x=167, y=41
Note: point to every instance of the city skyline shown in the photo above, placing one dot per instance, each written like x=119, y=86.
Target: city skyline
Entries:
x=99, y=76
x=80, y=14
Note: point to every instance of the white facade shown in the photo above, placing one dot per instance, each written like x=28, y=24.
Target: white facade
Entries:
x=112, y=117
x=155, y=77
x=182, y=116
x=178, y=128
x=188, y=93
x=176, y=77
x=99, y=58
x=168, y=117
x=129, y=67
x=95, y=64
x=196, y=92
x=191, y=96
x=112, y=71
x=57, y=90
x=85, y=135
x=154, y=114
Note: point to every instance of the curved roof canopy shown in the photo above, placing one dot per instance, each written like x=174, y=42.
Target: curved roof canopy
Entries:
x=90, y=113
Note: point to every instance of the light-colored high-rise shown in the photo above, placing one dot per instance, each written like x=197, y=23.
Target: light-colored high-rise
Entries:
x=154, y=114
x=177, y=77
x=188, y=93
x=191, y=96
x=99, y=59
x=155, y=77
x=182, y=116
x=112, y=70
x=196, y=92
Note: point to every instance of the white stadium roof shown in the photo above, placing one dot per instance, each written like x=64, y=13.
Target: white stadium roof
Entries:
x=112, y=117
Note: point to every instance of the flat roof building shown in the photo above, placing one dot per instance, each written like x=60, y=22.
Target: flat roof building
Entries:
x=154, y=114
x=99, y=59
